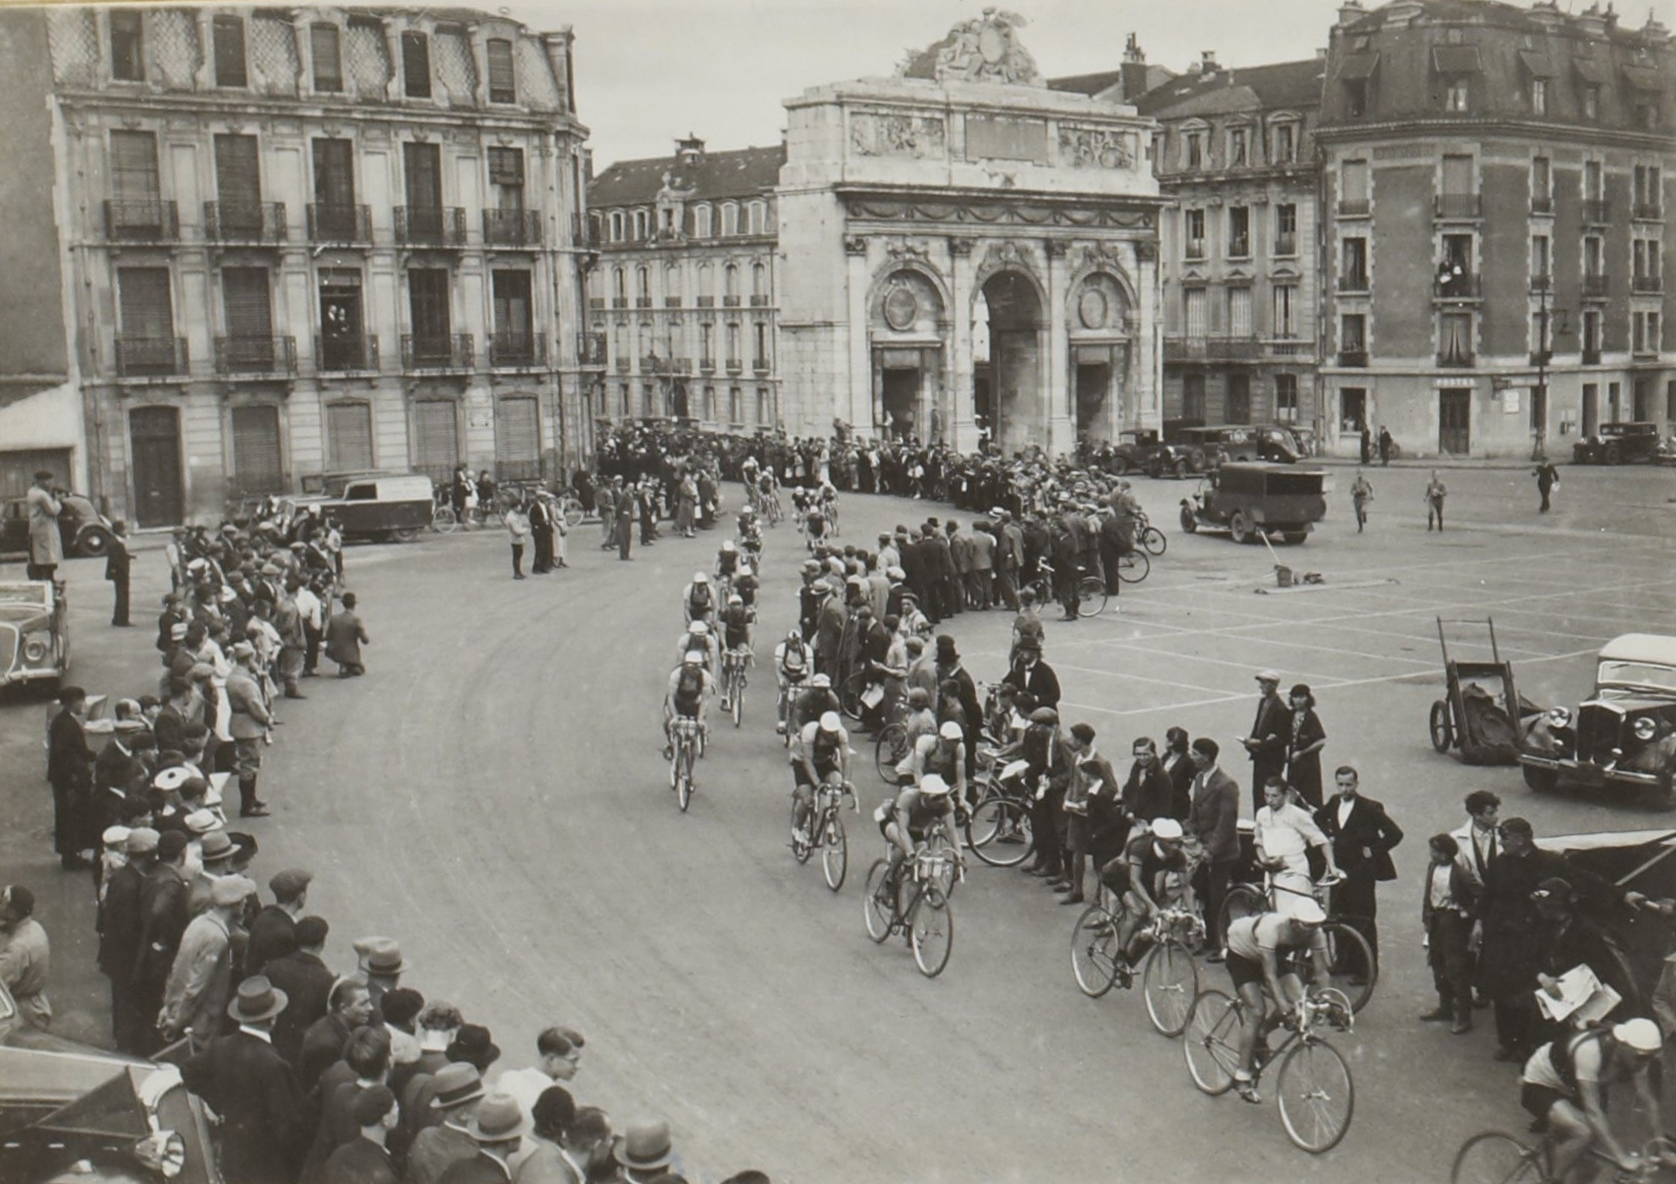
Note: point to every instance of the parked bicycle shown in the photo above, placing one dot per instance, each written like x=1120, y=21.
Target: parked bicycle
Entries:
x=1091, y=590
x=826, y=834
x=914, y=905
x=688, y=747
x=1147, y=536
x=1317, y=1096
x=1352, y=964
x=998, y=829
x=1169, y=976
x=1501, y=1158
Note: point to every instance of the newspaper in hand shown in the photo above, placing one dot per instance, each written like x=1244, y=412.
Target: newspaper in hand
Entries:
x=1584, y=999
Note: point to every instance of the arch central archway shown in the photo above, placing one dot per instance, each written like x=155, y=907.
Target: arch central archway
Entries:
x=1008, y=399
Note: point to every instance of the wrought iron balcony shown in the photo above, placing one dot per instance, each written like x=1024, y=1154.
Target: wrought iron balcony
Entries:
x=1211, y=349
x=707, y=365
x=1285, y=244
x=730, y=302
x=512, y=228
x=596, y=304
x=1458, y=205
x=643, y=302
x=1354, y=207
x=1353, y=357
x=345, y=355
x=431, y=226
x=1591, y=355
x=1353, y=283
x=622, y=365
x=735, y=366
x=1462, y=286
x=142, y=221
x=1289, y=348
x=1597, y=211
x=760, y=365
x=338, y=225
x=672, y=302
x=1542, y=205
x=151, y=357
x=759, y=301
x=1542, y=282
x=707, y=302
x=239, y=222
x=255, y=356
x=591, y=349
x=619, y=302
x=1648, y=212
x=437, y=351
x=1647, y=284
x=1542, y=357
x=510, y=351
x=1594, y=286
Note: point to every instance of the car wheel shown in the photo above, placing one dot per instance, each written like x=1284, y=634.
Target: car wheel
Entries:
x=1155, y=467
x=1239, y=527
x=1541, y=780
x=1196, y=460
x=1188, y=522
x=1181, y=468
x=94, y=542
x=1122, y=467
x=1613, y=454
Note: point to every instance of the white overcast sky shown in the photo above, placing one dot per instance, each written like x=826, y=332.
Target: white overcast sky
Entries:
x=651, y=70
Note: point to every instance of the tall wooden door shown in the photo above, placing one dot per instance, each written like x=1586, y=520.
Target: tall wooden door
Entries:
x=154, y=434
x=1454, y=422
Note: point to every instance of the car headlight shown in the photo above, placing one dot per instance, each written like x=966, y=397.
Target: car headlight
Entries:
x=1644, y=728
x=1559, y=717
x=162, y=1151
x=36, y=648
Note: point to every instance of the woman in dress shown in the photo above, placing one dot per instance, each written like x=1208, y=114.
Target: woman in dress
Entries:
x=1303, y=752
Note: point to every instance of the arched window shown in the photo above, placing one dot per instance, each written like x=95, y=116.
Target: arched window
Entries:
x=595, y=231
x=706, y=284
x=616, y=226
x=730, y=218
x=753, y=218
x=619, y=284
x=701, y=222
x=759, y=279
x=639, y=225
x=732, y=281
x=672, y=280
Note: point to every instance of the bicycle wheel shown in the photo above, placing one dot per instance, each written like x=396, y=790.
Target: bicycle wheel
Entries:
x=1153, y=540
x=684, y=785
x=738, y=699
x=1091, y=596
x=443, y=520
x=1094, y=951
x=876, y=908
x=946, y=879
x=932, y=934
x=1495, y=1157
x=800, y=851
x=1212, y=1046
x=849, y=694
x=1317, y=1096
x=1134, y=567
x=888, y=752
x=1170, y=982
x=1241, y=901
x=998, y=831
x=573, y=512
x=1351, y=963
x=835, y=851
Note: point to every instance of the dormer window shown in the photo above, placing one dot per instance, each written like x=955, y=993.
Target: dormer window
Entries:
x=1237, y=147
x=1195, y=150
x=701, y=221
x=730, y=219
x=616, y=226
x=1285, y=144
x=1457, y=95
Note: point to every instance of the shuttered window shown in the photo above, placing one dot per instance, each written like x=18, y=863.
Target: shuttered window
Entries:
x=349, y=437
x=436, y=435
x=1239, y=312
x=328, y=58
x=512, y=304
x=245, y=296
x=1457, y=175
x=422, y=165
x=127, y=45
x=134, y=167
x=1195, y=307
x=334, y=174
x=256, y=462
x=1355, y=180
x=503, y=85
x=143, y=299
x=238, y=179
x=517, y=440
x=427, y=290
x=416, y=65
x=229, y=51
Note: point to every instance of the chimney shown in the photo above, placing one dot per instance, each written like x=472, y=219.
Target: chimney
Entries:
x=1132, y=51
x=1350, y=11
x=689, y=150
x=1321, y=55
x=1131, y=72
x=1207, y=61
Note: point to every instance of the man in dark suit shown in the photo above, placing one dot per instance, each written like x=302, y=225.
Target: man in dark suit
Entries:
x=1147, y=794
x=70, y=771
x=1033, y=676
x=948, y=666
x=829, y=629
x=351, y=1007
x=273, y=933
x=1270, y=733
x=927, y=572
x=365, y=1159
x=541, y=533
x=306, y=981
x=246, y=1081
x=164, y=912
x=1214, y=819
x=119, y=938
x=117, y=562
x=1362, y=835
x=117, y=774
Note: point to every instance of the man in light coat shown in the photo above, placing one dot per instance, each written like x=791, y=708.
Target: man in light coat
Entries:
x=46, y=546
x=202, y=976
x=248, y=722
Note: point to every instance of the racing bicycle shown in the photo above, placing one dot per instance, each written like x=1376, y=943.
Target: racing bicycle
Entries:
x=1169, y=976
x=734, y=664
x=827, y=832
x=1352, y=964
x=687, y=747
x=914, y=905
x=998, y=829
x=1501, y=1158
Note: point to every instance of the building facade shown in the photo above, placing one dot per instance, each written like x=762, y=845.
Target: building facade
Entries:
x=967, y=253
x=1497, y=186
x=682, y=300
x=315, y=240
x=1236, y=151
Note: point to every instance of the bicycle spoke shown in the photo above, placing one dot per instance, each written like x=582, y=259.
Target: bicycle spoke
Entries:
x=876, y=907
x=1094, y=956
x=1169, y=981
x=1212, y=1042
x=1316, y=1096
x=835, y=851
x=1495, y=1157
x=932, y=935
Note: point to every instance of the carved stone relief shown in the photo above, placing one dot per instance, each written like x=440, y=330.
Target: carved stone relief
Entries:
x=890, y=134
x=1096, y=148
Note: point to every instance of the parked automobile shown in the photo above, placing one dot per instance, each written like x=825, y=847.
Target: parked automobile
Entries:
x=377, y=506
x=34, y=633
x=85, y=531
x=1241, y=443
x=1623, y=735
x=73, y=1113
x=1248, y=499
x=1619, y=444
x=1144, y=452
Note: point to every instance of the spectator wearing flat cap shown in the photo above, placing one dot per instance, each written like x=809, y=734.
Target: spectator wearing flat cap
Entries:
x=119, y=938
x=558, y=1053
x=437, y=1148
x=201, y=976
x=366, y=1159
x=273, y=933
x=304, y=976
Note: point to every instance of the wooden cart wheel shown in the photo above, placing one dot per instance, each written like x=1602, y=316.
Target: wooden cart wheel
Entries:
x=1443, y=733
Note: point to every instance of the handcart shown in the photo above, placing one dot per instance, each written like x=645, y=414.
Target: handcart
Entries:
x=1481, y=716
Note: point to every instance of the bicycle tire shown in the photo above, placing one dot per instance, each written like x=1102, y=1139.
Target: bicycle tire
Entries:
x=876, y=912
x=1350, y=957
x=835, y=851
x=1091, y=596
x=849, y=695
x=931, y=935
x=1154, y=541
x=1317, y=1095
x=799, y=851
x=1496, y=1157
x=889, y=750
x=1241, y=900
x=991, y=820
x=738, y=698
x=444, y=521
x=1212, y=1045
x=1134, y=567
x=1094, y=952
x=1169, y=983
x=684, y=788
x=573, y=512
x=939, y=841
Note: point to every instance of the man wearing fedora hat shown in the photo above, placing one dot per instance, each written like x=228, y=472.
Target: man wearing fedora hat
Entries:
x=949, y=667
x=264, y=1122
x=642, y=1151
x=202, y=973
x=381, y=966
x=459, y=1087
x=497, y=1127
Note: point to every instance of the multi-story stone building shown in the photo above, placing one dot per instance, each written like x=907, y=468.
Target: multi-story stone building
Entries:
x=307, y=240
x=1497, y=187
x=683, y=295
x=1239, y=264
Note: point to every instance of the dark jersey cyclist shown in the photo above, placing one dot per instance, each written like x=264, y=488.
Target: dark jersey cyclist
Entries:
x=698, y=599
x=746, y=585
x=686, y=696
x=819, y=755
x=1142, y=877
x=814, y=702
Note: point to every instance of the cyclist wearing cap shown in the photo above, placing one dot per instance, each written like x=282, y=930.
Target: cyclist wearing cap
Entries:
x=1255, y=946
x=727, y=562
x=814, y=702
x=746, y=584
x=942, y=755
x=793, y=659
x=698, y=637
x=906, y=820
x=736, y=623
x=820, y=755
x=1565, y=1085
x=1142, y=877
x=698, y=599
x=688, y=694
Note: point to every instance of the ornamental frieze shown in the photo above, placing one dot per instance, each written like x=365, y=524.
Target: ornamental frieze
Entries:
x=890, y=134
x=1096, y=148
x=998, y=213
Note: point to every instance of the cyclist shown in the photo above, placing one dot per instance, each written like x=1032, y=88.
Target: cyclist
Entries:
x=748, y=471
x=820, y=754
x=906, y=820
x=746, y=584
x=942, y=755
x=793, y=660
x=829, y=507
x=814, y=702
x=689, y=691
x=727, y=564
x=1565, y=1084
x=1256, y=945
x=698, y=599
x=699, y=637
x=736, y=625
x=814, y=525
x=1143, y=876
x=767, y=494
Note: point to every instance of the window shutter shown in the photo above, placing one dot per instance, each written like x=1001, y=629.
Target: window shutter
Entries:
x=349, y=436
x=143, y=298
x=416, y=65
x=256, y=462
x=503, y=85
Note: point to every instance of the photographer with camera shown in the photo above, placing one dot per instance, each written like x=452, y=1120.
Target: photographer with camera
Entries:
x=46, y=547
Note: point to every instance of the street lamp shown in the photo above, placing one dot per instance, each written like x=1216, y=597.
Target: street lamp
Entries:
x=1539, y=396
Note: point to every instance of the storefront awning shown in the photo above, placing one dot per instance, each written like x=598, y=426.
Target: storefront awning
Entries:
x=1456, y=59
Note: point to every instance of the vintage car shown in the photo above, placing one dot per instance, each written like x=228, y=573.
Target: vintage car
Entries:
x=375, y=506
x=1248, y=499
x=84, y=530
x=1619, y=444
x=1623, y=735
x=34, y=632
x=69, y=1112
x=1241, y=443
x=1144, y=452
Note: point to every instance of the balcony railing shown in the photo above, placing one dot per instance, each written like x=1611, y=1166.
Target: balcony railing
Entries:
x=151, y=357
x=518, y=350
x=1648, y=212
x=1591, y=355
x=1594, y=285
x=1289, y=348
x=1195, y=250
x=438, y=351
x=1457, y=205
x=619, y=302
x=338, y=224
x=1239, y=248
x=760, y=365
x=652, y=364
x=672, y=302
x=345, y=355
x=1211, y=349
x=759, y=302
x=512, y=228
x=1597, y=211
x=622, y=365
x=591, y=349
x=707, y=302
x=1647, y=284
x=1542, y=282
x=707, y=365
x=1353, y=357
x=1542, y=357
x=1455, y=359
x=596, y=304
x=233, y=222
x=1285, y=244
x=1542, y=205
x=735, y=366
x=245, y=355
x=730, y=302
x=1353, y=283
x=643, y=302
x=1354, y=207
x=1464, y=286
x=431, y=226
x=142, y=221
